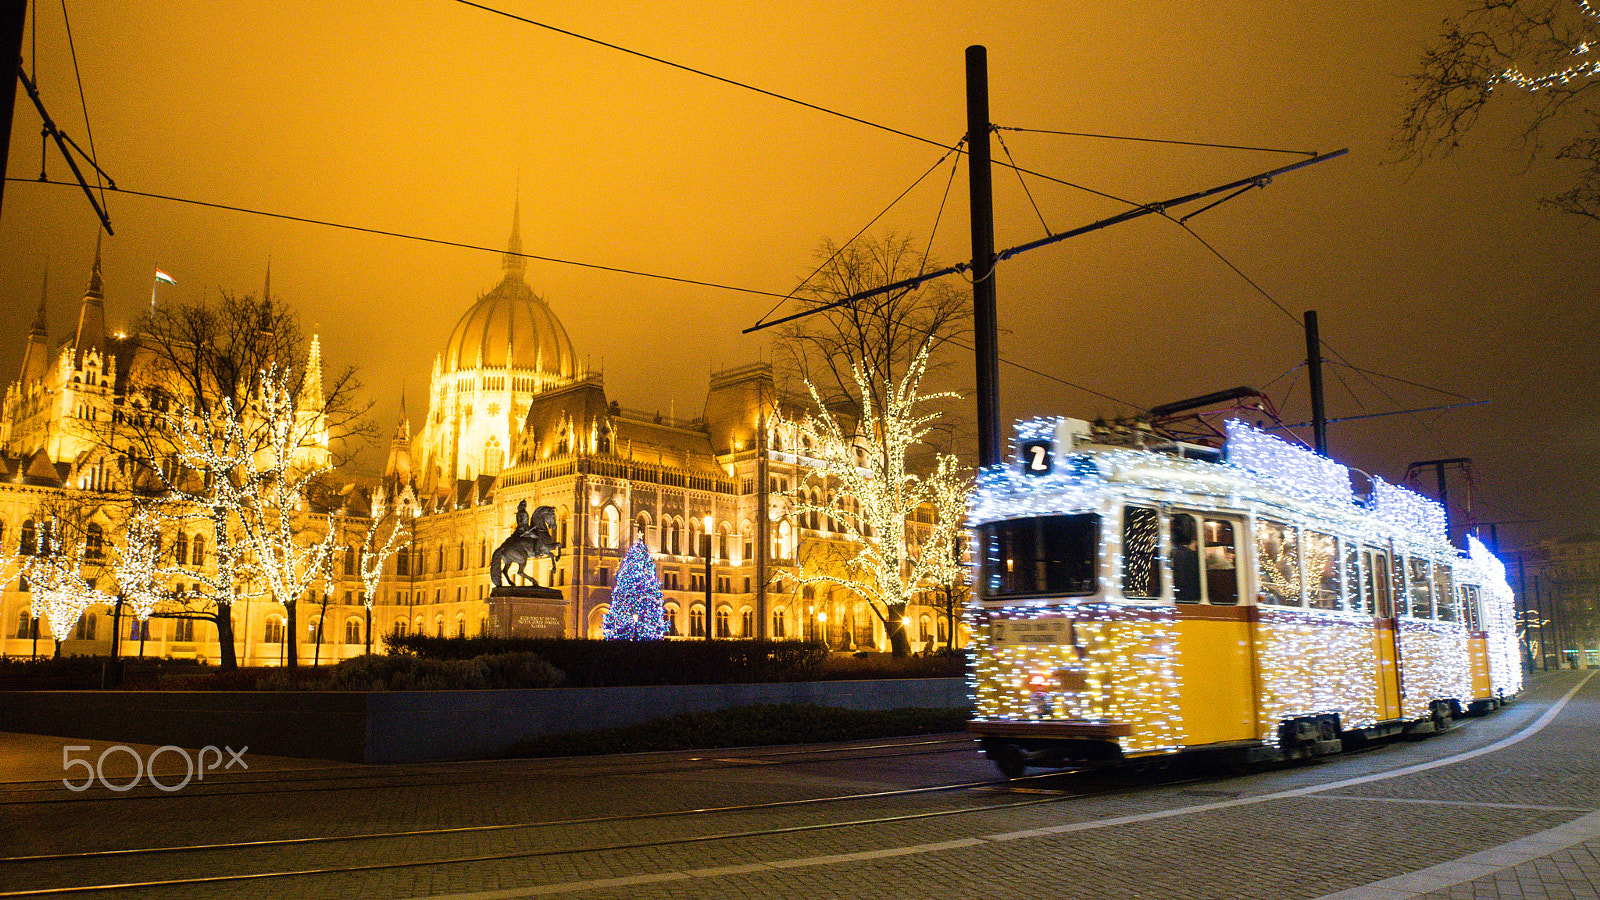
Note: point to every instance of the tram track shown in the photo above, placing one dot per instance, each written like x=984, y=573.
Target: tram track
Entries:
x=342, y=779
x=13, y=867
x=586, y=849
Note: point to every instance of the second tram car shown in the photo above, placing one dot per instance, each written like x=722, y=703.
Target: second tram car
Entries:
x=1134, y=601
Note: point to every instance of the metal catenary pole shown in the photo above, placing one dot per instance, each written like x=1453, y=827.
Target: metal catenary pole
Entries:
x=981, y=195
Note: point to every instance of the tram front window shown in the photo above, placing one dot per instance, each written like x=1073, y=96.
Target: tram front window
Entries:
x=1046, y=555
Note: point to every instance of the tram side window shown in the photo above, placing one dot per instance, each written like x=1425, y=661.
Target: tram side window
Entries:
x=1321, y=565
x=1444, y=594
x=1185, y=560
x=1377, y=583
x=1279, y=562
x=1469, y=600
x=1421, y=588
x=1222, y=566
x=1402, y=595
x=1353, y=595
x=1141, y=544
x=1044, y=555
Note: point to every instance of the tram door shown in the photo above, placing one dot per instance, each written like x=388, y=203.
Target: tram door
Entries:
x=1377, y=595
x=1218, y=684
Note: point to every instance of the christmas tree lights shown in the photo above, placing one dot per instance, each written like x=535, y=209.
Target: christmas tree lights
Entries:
x=637, y=612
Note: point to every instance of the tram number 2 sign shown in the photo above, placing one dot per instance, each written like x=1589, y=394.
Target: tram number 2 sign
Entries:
x=1038, y=457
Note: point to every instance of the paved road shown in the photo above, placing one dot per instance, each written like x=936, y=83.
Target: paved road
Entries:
x=1504, y=806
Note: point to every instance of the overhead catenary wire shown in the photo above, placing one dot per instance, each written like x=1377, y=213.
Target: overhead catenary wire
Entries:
x=1150, y=140
x=1020, y=180
x=84, y=103
x=415, y=237
x=863, y=230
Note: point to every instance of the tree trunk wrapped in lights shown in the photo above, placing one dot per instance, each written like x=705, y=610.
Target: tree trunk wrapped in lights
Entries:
x=867, y=487
x=373, y=557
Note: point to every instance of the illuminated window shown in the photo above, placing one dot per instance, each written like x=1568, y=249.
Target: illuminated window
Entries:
x=1141, y=534
x=1320, y=563
x=1044, y=555
x=1278, y=559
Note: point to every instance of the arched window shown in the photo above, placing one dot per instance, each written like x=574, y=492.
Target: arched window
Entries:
x=925, y=630
x=461, y=625
x=440, y=567
x=564, y=518
x=676, y=529
x=785, y=541
x=642, y=532
x=94, y=542
x=402, y=563
x=483, y=552
x=180, y=550
x=672, y=620
x=197, y=551
x=352, y=631
x=944, y=631
x=697, y=621
x=400, y=628
x=724, y=542
x=747, y=625
x=779, y=626
x=723, y=623
x=461, y=556
x=494, y=457
x=610, y=527
x=274, y=633
x=349, y=560
x=438, y=625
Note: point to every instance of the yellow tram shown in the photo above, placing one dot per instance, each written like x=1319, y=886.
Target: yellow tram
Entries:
x=1136, y=598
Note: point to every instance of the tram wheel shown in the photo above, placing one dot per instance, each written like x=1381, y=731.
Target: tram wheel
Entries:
x=1009, y=760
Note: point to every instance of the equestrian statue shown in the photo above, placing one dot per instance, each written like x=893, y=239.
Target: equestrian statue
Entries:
x=534, y=537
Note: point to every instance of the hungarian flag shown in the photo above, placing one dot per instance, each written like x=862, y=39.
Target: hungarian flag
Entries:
x=164, y=278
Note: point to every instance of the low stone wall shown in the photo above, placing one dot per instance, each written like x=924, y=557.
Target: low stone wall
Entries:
x=418, y=726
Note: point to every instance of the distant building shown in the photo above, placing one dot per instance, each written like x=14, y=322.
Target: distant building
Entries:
x=511, y=417
x=1558, y=583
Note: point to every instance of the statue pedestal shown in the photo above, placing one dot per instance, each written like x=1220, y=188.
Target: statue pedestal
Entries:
x=531, y=611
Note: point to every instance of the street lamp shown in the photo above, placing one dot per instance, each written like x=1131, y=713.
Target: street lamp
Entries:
x=707, y=522
x=822, y=622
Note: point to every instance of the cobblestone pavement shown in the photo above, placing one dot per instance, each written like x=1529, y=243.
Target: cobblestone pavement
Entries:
x=1490, y=808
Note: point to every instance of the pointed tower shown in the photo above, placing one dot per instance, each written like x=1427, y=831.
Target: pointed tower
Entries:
x=91, y=334
x=513, y=262
x=34, y=361
x=397, y=471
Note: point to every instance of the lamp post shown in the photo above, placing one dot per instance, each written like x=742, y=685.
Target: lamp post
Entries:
x=710, y=617
x=822, y=624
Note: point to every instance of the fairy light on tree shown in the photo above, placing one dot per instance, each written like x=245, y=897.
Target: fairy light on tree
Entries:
x=1547, y=50
x=637, y=612
x=871, y=492
x=61, y=594
x=373, y=556
x=253, y=473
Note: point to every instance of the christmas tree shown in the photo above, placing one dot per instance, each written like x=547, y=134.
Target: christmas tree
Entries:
x=636, y=613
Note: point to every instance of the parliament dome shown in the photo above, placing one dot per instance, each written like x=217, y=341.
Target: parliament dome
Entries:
x=511, y=326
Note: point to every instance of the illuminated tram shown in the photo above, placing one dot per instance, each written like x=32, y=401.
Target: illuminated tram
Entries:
x=1136, y=601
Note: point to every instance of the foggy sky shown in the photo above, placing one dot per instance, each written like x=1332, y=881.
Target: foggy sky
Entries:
x=431, y=118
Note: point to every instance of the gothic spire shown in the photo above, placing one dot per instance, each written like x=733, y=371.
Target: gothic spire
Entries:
x=91, y=334
x=513, y=262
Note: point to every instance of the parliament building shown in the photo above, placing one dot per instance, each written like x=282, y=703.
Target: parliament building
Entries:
x=511, y=418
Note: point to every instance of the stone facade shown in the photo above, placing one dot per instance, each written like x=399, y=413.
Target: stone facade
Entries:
x=510, y=418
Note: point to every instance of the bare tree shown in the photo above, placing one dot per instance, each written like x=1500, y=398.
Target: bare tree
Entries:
x=882, y=334
x=1547, y=51
x=191, y=426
